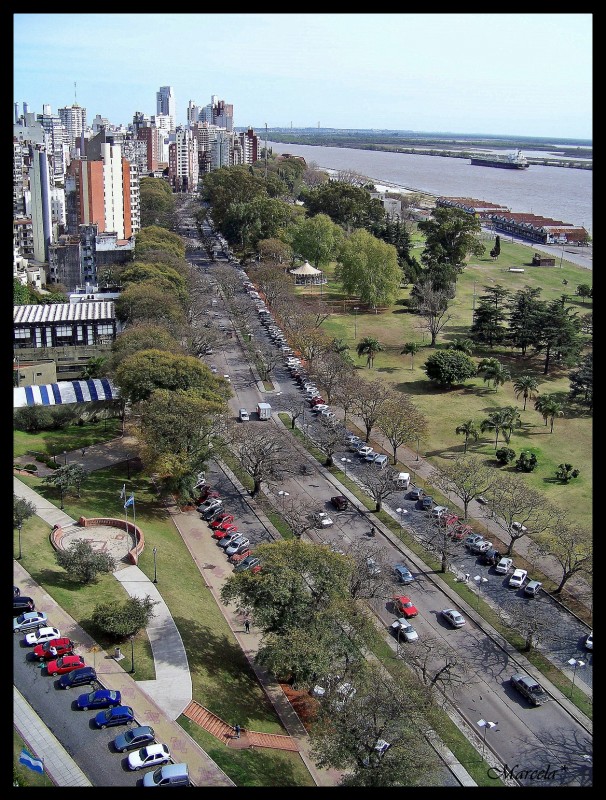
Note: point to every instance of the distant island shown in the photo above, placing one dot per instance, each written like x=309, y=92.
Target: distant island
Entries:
x=573, y=153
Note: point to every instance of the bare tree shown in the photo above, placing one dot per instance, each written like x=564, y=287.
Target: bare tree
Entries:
x=432, y=307
x=437, y=536
x=519, y=509
x=380, y=485
x=264, y=453
x=329, y=371
x=401, y=421
x=300, y=516
x=369, y=404
x=314, y=175
x=229, y=280
x=572, y=547
x=438, y=664
x=266, y=358
x=296, y=407
x=347, y=393
x=467, y=477
x=369, y=579
x=328, y=437
x=351, y=177
x=272, y=280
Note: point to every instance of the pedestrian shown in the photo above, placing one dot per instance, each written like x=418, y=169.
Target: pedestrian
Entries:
x=237, y=730
x=247, y=625
x=467, y=577
x=53, y=651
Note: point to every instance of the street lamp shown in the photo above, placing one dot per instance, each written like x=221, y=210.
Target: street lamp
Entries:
x=479, y=581
x=19, y=529
x=283, y=495
x=401, y=512
x=345, y=462
x=356, y=309
x=417, y=458
x=65, y=457
x=132, y=654
x=486, y=724
x=155, y=550
x=575, y=662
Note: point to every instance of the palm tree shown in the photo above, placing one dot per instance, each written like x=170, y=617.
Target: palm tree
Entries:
x=527, y=386
x=369, y=347
x=542, y=403
x=493, y=371
x=552, y=409
x=496, y=420
x=468, y=429
x=411, y=348
x=512, y=416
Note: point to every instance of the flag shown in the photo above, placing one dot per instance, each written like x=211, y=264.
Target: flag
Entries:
x=130, y=501
x=123, y=492
x=31, y=761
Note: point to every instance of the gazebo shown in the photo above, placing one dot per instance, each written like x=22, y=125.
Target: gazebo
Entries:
x=306, y=274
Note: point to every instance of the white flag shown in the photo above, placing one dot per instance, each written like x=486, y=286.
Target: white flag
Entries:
x=31, y=761
x=123, y=492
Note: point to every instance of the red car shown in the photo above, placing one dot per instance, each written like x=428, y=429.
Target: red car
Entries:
x=237, y=557
x=404, y=606
x=446, y=520
x=460, y=532
x=221, y=519
x=226, y=530
x=63, y=646
x=65, y=664
x=207, y=492
x=316, y=401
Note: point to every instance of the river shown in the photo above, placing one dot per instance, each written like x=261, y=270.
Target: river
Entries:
x=558, y=193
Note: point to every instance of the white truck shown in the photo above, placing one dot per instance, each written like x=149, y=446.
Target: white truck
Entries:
x=401, y=479
x=263, y=410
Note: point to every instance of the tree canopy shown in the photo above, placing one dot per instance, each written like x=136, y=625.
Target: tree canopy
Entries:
x=368, y=268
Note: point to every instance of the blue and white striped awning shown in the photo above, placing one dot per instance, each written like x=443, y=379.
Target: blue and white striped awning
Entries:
x=52, y=394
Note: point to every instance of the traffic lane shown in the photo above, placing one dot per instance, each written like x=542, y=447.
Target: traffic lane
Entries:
x=89, y=746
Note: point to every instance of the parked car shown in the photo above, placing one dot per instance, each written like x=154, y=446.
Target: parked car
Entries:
x=415, y=493
x=243, y=415
x=371, y=457
x=322, y=520
x=65, y=664
x=453, y=617
x=100, y=698
x=531, y=690
x=167, y=775
x=318, y=408
x=471, y=540
x=504, y=565
x=339, y=502
x=317, y=400
x=248, y=563
x=28, y=621
x=326, y=413
x=405, y=606
x=207, y=493
x=237, y=545
x=16, y=591
x=62, y=646
x=437, y=511
x=22, y=604
x=41, y=636
x=589, y=641
x=480, y=547
x=490, y=557
x=116, y=715
x=210, y=503
x=134, y=737
x=518, y=578
x=149, y=756
x=482, y=500
x=224, y=530
x=402, y=629
x=448, y=520
x=427, y=502
x=78, y=677
x=235, y=558
x=532, y=588
x=365, y=450
x=212, y=513
x=517, y=526
x=372, y=567
x=403, y=574
x=227, y=538
x=356, y=446
x=223, y=518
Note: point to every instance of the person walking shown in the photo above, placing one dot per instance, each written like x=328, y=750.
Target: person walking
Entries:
x=247, y=625
x=237, y=730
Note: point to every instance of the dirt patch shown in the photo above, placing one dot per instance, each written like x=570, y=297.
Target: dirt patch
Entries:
x=302, y=702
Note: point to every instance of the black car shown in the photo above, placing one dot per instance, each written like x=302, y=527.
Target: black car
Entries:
x=78, y=677
x=490, y=557
x=339, y=502
x=22, y=604
x=416, y=494
x=211, y=513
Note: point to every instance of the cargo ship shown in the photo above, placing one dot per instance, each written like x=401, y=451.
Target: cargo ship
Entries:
x=509, y=161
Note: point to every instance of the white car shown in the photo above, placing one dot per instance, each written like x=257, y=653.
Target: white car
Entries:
x=437, y=511
x=323, y=520
x=41, y=635
x=149, y=756
x=373, y=567
x=317, y=409
x=213, y=369
x=589, y=641
x=402, y=629
x=518, y=527
x=504, y=565
x=518, y=578
x=244, y=415
x=452, y=616
x=364, y=451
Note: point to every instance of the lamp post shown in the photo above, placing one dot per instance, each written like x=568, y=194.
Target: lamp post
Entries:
x=283, y=495
x=345, y=462
x=132, y=654
x=575, y=662
x=19, y=529
x=61, y=490
x=401, y=512
x=479, y=581
x=65, y=457
x=417, y=458
x=486, y=724
x=155, y=550
x=356, y=309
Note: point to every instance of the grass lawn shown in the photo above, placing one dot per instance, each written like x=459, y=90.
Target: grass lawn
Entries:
x=73, y=437
x=445, y=409
x=221, y=677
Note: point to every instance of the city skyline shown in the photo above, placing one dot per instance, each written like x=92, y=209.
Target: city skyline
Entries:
x=495, y=74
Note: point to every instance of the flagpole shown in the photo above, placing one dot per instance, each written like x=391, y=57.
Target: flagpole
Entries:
x=134, y=518
x=127, y=533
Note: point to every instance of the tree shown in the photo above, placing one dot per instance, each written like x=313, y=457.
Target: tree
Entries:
x=348, y=206
x=488, y=322
x=295, y=408
x=497, y=421
x=347, y=393
x=369, y=404
x=512, y=421
x=432, y=306
x=401, y=421
x=527, y=386
x=493, y=370
x=274, y=251
x=526, y=462
x=451, y=237
x=94, y=368
x=565, y=473
x=149, y=303
x=411, y=349
x=155, y=237
x=571, y=546
x=466, y=477
x=468, y=429
x=329, y=437
x=557, y=334
x=462, y=344
x=368, y=268
x=380, y=485
x=330, y=370
x=581, y=383
x=157, y=203
x=266, y=359
x=142, y=336
x=549, y=408
x=317, y=239
x=122, y=620
x=449, y=367
x=82, y=563
x=496, y=250
x=66, y=478
x=369, y=347
x=505, y=455
x=264, y=454
x=584, y=290
x=32, y=418
x=439, y=665
x=22, y=510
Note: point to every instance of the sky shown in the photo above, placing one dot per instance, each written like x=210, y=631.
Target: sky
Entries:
x=512, y=74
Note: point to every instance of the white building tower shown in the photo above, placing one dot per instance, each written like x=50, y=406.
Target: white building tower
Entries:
x=165, y=105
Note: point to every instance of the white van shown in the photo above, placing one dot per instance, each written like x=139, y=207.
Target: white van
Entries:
x=381, y=461
x=167, y=775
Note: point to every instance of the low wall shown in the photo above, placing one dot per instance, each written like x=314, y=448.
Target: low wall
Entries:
x=133, y=555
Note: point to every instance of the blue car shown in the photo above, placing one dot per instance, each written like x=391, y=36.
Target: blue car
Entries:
x=118, y=715
x=427, y=503
x=403, y=574
x=102, y=698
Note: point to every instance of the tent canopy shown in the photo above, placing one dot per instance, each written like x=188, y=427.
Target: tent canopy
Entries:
x=305, y=269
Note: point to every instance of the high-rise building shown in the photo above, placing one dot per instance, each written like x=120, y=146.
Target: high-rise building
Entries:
x=165, y=104
x=183, y=162
x=41, y=214
x=54, y=141
x=73, y=119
